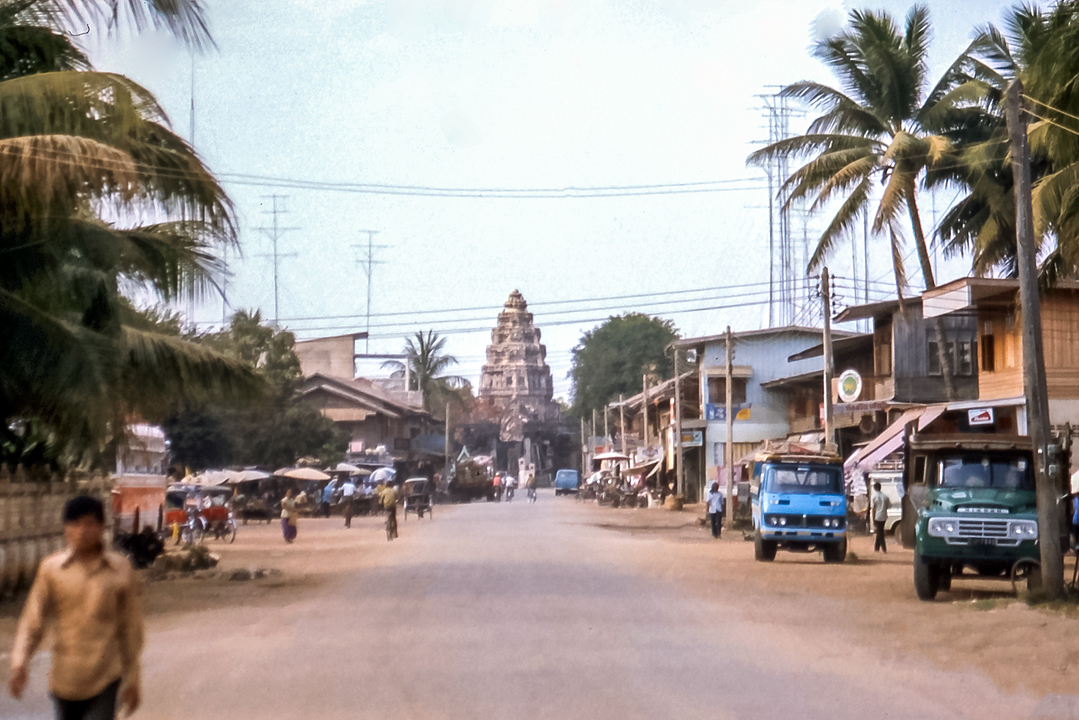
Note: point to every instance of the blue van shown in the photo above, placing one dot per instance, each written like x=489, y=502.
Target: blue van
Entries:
x=566, y=481
x=799, y=504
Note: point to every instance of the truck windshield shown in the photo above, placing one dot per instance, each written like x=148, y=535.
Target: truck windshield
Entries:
x=803, y=479
x=986, y=471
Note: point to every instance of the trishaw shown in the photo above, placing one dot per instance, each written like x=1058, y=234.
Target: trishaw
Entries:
x=194, y=511
x=417, y=494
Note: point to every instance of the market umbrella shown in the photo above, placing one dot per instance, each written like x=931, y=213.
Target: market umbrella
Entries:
x=302, y=474
x=238, y=476
x=383, y=474
x=208, y=477
x=345, y=467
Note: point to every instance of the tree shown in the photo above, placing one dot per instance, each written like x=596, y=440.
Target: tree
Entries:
x=97, y=194
x=611, y=359
x=1039, y=48
x=273, y=432
x=427, y=363
x=881, y=125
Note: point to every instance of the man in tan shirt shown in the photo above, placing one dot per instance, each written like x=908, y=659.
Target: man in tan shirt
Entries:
x=89, y=598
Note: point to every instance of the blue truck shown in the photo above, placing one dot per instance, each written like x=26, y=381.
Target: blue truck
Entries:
x=566, y=481
x=798, y=502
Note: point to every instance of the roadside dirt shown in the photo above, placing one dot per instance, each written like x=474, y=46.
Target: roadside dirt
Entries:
x=867, y=601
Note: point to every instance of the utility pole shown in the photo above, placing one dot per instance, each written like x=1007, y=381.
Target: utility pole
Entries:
x=584, y=453
x=728, y=460
x=679, y=465
x=274, y=233
x=622, y=420
x=1037, y=394
x=593, y=423
x=829, y=366
x=368, y=263
x=446, y=468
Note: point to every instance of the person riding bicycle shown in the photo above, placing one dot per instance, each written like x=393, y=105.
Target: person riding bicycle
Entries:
x=389, y=504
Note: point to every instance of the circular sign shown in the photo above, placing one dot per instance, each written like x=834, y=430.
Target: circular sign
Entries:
x=850, y=386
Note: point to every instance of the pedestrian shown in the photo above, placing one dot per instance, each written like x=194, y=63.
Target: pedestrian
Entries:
x=881, y=503
x=716, y=509
x=327, y=498
x=288, y=516
x=88, y=598
x=389, y=504
x=348, y=490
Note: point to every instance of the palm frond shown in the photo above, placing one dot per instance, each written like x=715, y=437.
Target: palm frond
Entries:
x=842, y=222
x=185, y=19
x=160, y=370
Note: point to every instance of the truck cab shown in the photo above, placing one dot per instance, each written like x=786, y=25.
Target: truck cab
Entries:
x=974, y=506
x=798, y=504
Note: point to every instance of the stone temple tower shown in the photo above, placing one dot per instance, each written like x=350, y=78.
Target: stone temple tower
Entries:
x=516, y=378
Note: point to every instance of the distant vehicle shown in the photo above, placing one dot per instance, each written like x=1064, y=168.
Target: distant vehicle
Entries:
x=974, y=503
x=891, y=486
x=798, y=503
x=566, y=481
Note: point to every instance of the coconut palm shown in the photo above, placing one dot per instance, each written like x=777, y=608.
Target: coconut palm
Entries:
x=427, y=364
x=97, y=197
x=1039, y=48
x=881, y=124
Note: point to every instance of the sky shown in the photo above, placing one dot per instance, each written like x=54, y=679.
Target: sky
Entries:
x=506, y=94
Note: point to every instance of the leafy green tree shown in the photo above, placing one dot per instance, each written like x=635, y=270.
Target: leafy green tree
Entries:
x=611, y=359
x=86, y=158
x=428, y=363
x=273, y=432
x=883, y=124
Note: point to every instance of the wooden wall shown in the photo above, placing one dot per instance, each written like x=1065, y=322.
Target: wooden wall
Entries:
x=1060, y=340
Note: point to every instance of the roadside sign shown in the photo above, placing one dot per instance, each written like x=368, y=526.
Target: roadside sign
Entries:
x=980, y=416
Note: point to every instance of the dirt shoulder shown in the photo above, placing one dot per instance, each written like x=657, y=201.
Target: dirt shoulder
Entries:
x=868, y=601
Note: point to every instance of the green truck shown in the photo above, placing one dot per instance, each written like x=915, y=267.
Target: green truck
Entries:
x=970, y=502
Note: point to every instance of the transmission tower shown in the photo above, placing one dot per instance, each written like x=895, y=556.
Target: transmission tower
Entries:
x=274, y=233
x=783, y=271
x=368, y=262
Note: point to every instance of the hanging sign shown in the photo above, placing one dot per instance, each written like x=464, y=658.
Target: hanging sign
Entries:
x=850, y=386
x=980, y=416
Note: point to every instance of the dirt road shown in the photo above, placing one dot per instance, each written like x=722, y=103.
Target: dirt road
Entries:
x=565, y=610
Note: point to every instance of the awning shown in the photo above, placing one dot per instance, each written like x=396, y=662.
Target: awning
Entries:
x=891, y=439
x=641, y=469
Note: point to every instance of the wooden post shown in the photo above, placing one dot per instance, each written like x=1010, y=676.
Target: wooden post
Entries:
x=446, y=449
x=679, y=465
x=829, y=365
x=584, y=453
x=728, y=455
x=1034, y=384
x=644, y=408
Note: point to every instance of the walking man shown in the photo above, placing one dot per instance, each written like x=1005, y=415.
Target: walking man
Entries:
x=348, y=491
x=715, y=509
x=881, y=503
x=389, y=504
x=89, y=598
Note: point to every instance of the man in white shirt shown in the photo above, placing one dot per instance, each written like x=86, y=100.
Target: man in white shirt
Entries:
x=347, y=491
x=881, y=503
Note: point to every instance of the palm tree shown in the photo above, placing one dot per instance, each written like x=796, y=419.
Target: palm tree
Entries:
x=98, y=196
x=426, y=364
x=1040, y=49
x=880, y=125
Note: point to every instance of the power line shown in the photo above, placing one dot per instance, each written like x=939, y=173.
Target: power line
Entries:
x=487, y=328
x=436, y=323
x=533, y=305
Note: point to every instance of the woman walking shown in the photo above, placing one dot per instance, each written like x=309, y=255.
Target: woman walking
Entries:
x=288, y=516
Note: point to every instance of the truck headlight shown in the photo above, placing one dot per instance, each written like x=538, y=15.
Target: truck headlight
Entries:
x=782, y=521
x=1024, y=529
x=942, y=527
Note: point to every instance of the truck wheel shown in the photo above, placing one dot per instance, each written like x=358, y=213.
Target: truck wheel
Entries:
x=763, y=550
x=926, y=578
x=835, y=552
